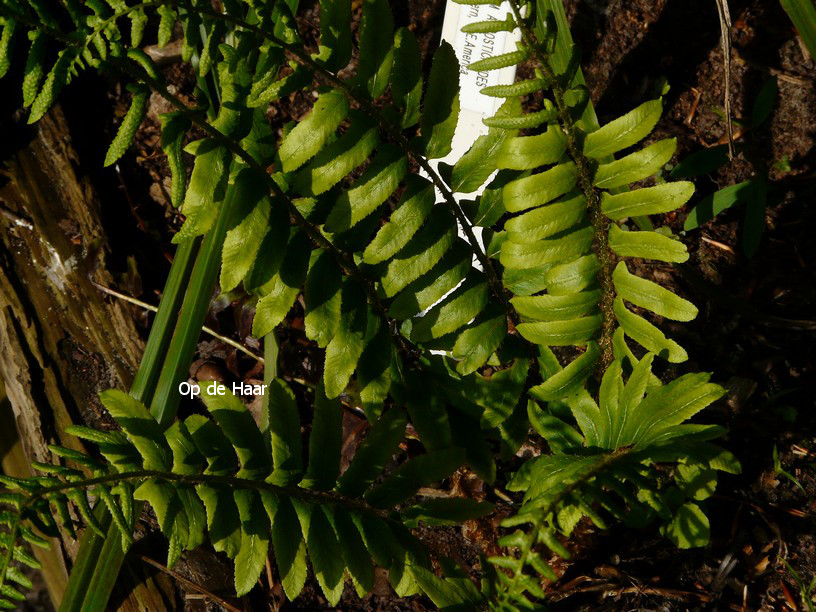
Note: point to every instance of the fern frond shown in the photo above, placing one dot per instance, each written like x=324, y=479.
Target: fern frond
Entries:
x=614, y=478
x=225, y=481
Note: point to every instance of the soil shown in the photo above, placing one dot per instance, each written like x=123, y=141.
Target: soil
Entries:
x=755, y=327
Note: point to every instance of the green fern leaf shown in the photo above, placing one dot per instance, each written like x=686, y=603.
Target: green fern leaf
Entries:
x=440, y=106
x=56, y=79
x=281, y=291
x=647, y=201
x=264, y=93
x=421, y=253
x=223, y=519
x=335, y=33
x=529, y=152
x=453, y=312
x=345, y=349
x=553, y=250
x=647, y=335
x=406, y=77
x=420, y=471
x=324, y=443
x=374, y=453
x=140, y=427
x=239, y=427
x=213, y=445
x=451, y=269
x=503, y=60
x=169, y=512
x=373, y=188
x=540, y=188
x=562, y=333
x=450, y=511
x=487, y=27
x=570, y=379
x=209, y=54
x=34, y=66
x=550, y=307
x=284, y=428
x=546, y=221
x=322, y=298
x=520, y=88
x=526, y=121
x=376, y=46
x=289, y=544
x=186, y=458
x=648, y=245
x=339, y=158
x=174, y=128
x=429, y=415
x=138, y=22
x=118, y=517
x=6, y=45
x=251, y=558
x=243, y=239
x=689, y=527
x=651, y=296
x=412, y=209
x=624, y=131
x=325, y=553
x=635, y=166
x=311, y=134
x=202, y=199
x=478, y=342
x=355, y=555
x=374, y=372
x=480, y=161
x=449, y=593
x=127, y=129
x=196, y=517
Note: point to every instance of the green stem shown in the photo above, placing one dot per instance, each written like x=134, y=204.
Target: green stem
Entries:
x=147, y=376
x=165, y=401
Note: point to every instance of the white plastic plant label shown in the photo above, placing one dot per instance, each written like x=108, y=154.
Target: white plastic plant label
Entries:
x=469, y=48
x=473, y=105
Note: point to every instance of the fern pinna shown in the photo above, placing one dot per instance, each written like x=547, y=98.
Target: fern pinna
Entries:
x=342, y=210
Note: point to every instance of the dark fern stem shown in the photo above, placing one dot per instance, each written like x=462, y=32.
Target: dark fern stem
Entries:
x=600, y=222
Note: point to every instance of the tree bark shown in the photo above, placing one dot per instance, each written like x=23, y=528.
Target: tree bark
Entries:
x=61, y=340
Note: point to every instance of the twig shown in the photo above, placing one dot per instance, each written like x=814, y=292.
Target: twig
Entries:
x=661, y=592
x=725, y=28
x=698, y=93
x=189, y=583
x=270, y=578
x=719, y=245
x=204, y=328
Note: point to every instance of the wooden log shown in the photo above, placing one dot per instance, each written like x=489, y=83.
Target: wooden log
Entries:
x=61, y=340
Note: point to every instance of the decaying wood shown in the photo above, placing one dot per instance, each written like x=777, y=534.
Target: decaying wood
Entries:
x=61, y=340
x=14, y=462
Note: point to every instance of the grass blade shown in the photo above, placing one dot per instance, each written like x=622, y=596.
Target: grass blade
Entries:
x=803, y=15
